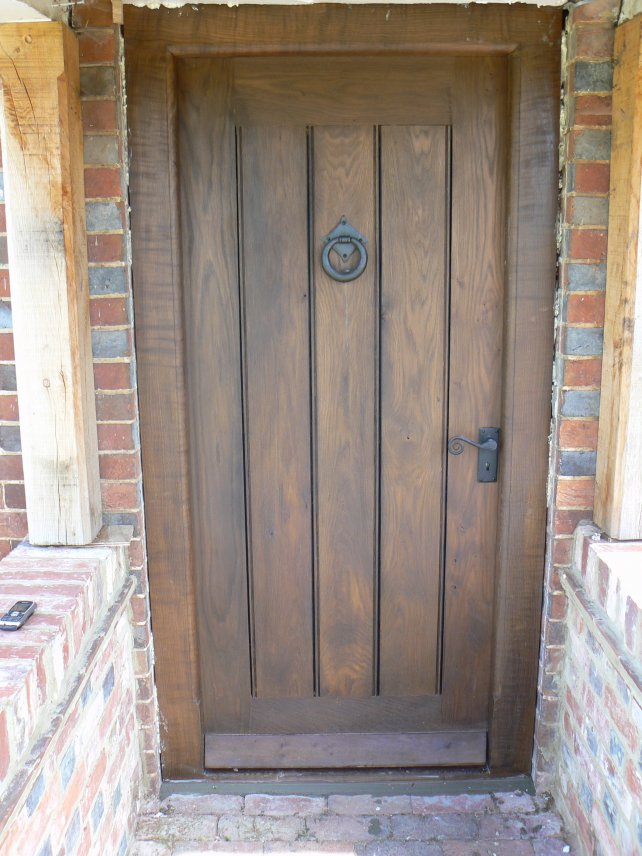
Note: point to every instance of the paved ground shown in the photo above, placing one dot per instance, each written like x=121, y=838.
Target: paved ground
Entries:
x=509, y=824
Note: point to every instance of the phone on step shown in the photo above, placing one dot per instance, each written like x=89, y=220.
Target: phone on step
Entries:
x=17, y=615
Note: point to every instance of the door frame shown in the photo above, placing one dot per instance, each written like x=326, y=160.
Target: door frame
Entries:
x=530, y=39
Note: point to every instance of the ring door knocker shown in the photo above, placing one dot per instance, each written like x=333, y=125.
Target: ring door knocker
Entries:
x=344, y=240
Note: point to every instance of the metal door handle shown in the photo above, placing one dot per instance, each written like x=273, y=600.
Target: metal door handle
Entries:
x=487, y=452
x=345, y=240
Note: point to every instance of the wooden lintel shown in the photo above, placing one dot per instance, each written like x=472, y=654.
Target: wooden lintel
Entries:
x=43, y=166
x=618, y=499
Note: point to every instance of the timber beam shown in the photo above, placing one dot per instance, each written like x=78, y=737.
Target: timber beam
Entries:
x=42, y=149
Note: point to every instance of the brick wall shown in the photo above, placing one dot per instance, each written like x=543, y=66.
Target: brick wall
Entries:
x=586, y=142
x=598, y=785
x=102, y=98
x=70, y=764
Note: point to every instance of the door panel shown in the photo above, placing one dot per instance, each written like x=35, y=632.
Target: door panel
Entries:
x=415, y=217
x=345, y=319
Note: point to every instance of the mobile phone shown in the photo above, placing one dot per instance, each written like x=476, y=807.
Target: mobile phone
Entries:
x=17, y=615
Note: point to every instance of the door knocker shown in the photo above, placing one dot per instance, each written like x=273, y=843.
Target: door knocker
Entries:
x=345, y=241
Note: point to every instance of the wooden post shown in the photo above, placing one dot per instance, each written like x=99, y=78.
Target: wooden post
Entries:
x=43, y=167
x=618, y=500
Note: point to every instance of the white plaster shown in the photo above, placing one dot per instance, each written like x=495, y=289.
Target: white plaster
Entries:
x=15, y=12
x=156, y=4
x=630, y=8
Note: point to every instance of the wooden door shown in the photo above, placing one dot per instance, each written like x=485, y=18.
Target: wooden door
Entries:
x=348, y=574
x=344, y=565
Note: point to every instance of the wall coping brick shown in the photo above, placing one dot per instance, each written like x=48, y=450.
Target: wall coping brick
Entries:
x=75, y=589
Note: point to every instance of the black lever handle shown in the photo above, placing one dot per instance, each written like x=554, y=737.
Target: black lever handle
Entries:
x=487, y=452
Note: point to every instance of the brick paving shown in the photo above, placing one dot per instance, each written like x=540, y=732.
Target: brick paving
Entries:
x=503, y=824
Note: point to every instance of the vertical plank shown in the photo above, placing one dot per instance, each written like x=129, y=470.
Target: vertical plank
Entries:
x=345, y=336
x=476, y=321
x=618, y=504
x=276, y=312
x=42, y=148
x=414, y=218
x=213, y=373
x=531, y=261
x=161, y=372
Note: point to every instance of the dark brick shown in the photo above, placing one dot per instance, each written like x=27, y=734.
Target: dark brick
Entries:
x=592, y=145
x=110, y=343
x=584, y=341
x=610, y=809
x=107, y=280
x=97, y=811
x=67, y=766
x=73, y=833
x=116, y=797
x=593, y=76
x=97, y=80
x=101, y=150
x=10, y=438
x=45, y=850
x=586, y=277
x=35, y=794
x=108, y=683
x=8, y=378
x=103, y=217
x=391, y=848
x=580, y=402
x=6, y=322
x=4, y=252
x=590, y=211
x=577, y=463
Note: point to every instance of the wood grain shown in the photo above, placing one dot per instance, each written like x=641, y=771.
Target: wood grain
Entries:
x=41, y=130
x=414, y=229
x=618, y=505
x=474, y=398
x=333, y=751
x=163, y=413
x=276, y=327
x=208, y=196
x=530, y=283
x=346, y=316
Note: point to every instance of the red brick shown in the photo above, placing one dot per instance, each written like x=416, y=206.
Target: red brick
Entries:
x=14, y=496
x=115, y=436
x=102, y=183
x=112, y=375
x=583, y=372
x=99, y=116
x=116, y=466
x=596, y=10
x=6, y=347
x=13, y=524
x=285, y=806
x=592, y=177
x=562, y=550
x=97, y=46
x=575, y=493
x=594, y=42
x=105, y=248
x=3, y=218
x=5, y=289
x=588, y=244
x=108, y=312
x=593, y=110
x=9, y=408
x=115, y=407
x=578, y=433
x=620, y=717
x=585, y=309
x=11, y=468
x=5, y=548
x=119, y=495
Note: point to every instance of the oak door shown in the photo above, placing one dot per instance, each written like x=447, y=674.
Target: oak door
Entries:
x=344, y=563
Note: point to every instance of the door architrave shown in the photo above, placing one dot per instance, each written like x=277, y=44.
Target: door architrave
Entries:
x=529, y=37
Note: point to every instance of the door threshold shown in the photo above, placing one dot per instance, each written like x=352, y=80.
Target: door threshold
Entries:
x=376, y=783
